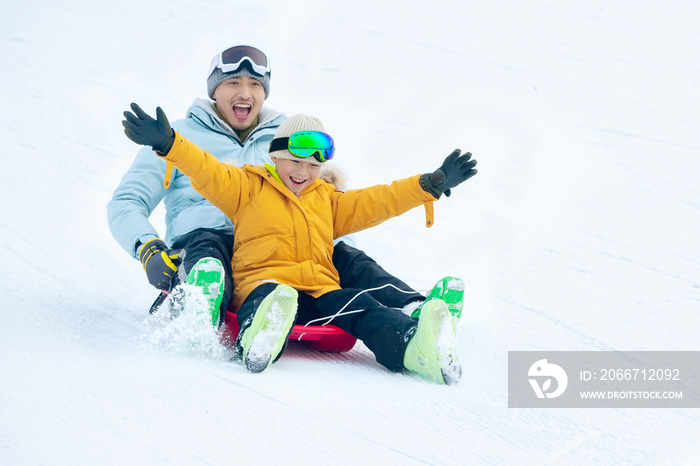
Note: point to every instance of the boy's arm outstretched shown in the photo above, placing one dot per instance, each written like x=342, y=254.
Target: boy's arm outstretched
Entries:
x=206, y=173
x=364, y=208
x=359, y=209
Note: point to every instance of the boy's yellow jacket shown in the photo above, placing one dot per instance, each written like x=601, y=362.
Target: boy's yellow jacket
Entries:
x=282, y=237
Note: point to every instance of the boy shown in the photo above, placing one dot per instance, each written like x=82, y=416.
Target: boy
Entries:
x=285, y=219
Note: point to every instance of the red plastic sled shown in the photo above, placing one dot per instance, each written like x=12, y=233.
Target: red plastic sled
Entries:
x=328, y=338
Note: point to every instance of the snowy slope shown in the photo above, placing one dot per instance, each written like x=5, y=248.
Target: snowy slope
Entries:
x=579, y=232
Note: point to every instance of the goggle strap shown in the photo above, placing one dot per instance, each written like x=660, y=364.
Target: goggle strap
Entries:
x=279, y=144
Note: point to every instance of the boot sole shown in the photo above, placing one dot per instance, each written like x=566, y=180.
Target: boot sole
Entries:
x=208, y=274
x=435, y=351
x=271, y=335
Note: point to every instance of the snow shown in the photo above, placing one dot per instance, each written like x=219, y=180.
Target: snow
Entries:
x=267, y=338
x=455, y=285
x=580, y=231
x=214, y=289
x=190, y=332
x=210, y=266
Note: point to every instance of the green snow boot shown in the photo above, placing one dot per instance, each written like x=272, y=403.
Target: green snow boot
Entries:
x=208, y=274
x=267, y=335
x=450, y=290
x=432, y=350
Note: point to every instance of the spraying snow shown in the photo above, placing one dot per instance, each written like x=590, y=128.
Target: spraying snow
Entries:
x=190, y=332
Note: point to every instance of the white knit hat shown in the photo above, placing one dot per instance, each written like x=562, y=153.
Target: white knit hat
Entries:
x=293, y=124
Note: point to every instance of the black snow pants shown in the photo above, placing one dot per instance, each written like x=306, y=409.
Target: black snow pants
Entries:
x=385, y=331
x=358, y=270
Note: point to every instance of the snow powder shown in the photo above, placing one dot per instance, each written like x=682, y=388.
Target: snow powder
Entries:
x=190, y=332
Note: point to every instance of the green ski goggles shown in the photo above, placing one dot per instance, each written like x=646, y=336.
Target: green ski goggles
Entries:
x=305, y=144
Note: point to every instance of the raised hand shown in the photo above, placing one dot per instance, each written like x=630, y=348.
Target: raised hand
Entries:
x=144, y=130
x=456, y=169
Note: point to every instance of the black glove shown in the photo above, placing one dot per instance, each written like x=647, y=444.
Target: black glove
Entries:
x=454, y=170
x=144, y=130
x=160, y=263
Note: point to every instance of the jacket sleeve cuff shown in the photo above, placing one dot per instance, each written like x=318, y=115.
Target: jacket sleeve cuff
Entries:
x=428, y=200
x=175, y=150
x=428, y=187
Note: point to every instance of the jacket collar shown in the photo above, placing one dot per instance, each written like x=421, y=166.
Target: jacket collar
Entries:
x=273, y=171
x=202, y=111
x=270, y=170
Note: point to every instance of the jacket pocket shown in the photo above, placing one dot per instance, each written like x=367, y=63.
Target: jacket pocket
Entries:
x=259, y=249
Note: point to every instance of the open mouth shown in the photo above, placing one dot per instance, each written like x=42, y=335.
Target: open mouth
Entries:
x=296, y=181
x=242, y=110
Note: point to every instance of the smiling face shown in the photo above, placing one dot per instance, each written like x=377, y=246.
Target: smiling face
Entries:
x=297, y=175
x=239, y=101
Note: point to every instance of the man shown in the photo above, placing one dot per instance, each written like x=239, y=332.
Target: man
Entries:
x=237, y=129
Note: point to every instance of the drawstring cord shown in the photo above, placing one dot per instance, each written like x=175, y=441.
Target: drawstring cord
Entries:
x=340, y=312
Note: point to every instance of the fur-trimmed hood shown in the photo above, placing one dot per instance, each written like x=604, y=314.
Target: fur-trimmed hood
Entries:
x=334, y=175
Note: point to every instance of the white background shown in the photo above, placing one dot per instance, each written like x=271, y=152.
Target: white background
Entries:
x=580, y=231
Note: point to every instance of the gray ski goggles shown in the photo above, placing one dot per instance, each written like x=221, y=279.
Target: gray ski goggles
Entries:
x=231, y=60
